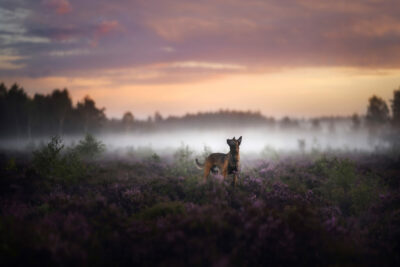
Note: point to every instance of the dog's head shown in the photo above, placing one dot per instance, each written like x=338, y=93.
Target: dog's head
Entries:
x=234, y=143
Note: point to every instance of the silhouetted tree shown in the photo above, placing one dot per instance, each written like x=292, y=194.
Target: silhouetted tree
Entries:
x=42, y=117
x=16, y=105
x=92, y=116
x=30, y=108
x=158, y=117
x=54, y=113
x=395, y=105
x=23, y=116
x=127, y=121
x=3, y=90
x=287, y=123
x=3, y=109
x=377, y=112
x=61, y=106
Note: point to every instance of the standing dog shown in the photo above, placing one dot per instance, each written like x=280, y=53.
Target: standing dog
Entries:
x=227, y=163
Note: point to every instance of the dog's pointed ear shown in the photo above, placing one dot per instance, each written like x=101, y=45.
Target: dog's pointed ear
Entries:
x=229, y=141
x=233, y=138
x=240, y=140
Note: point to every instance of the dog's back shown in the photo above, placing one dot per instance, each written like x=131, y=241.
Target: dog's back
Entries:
x=217, y=158
x=214, y=158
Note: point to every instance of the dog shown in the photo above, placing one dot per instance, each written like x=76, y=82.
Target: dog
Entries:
x=227, y=163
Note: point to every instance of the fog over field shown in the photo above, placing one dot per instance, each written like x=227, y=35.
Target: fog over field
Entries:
x=40, y=117
x=255, y=139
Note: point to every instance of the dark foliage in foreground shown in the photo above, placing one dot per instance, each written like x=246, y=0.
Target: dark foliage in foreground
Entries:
x=334, y=210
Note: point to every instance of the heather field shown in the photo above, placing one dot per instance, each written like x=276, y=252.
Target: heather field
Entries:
x=82, y=205
x=112, y=114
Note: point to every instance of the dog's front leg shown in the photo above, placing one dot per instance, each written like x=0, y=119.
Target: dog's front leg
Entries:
x=235, y=178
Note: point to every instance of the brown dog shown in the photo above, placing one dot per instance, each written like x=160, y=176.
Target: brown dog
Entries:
x=227, y=163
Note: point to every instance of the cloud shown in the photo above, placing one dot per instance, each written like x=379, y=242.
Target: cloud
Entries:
x=205, y=37
x=71, y=32
x=61, y=7
x=104, y=28
x=207, y=65
x=180, y=28
x=7, y=62
x=63, y=33
x=71, y=52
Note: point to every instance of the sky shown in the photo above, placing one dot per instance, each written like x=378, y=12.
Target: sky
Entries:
x=301, y=58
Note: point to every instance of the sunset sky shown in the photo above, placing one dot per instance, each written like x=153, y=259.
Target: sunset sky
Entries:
x=299, y=58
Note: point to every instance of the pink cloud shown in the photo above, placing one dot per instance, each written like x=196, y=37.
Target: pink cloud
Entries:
x=107, y=26
x=59, y=6
x=104, y=28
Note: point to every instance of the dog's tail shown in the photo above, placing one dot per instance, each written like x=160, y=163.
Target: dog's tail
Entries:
x=199, y=165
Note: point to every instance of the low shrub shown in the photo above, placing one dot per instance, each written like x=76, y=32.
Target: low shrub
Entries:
x=343, y=186
x=55, y=164
x=90, y=147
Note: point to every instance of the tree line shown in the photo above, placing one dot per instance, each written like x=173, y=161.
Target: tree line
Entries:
x=378, y=112
x=22, y=116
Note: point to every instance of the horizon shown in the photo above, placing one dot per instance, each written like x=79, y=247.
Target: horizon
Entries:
x=298, y=59
x=278, y=116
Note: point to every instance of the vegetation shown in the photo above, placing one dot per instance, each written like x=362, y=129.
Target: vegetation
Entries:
x=377, y=112
x=54, y=114
x=85, y=205
x=395, y=105
x=24, y=117
x=90, y=147
x=61, y=208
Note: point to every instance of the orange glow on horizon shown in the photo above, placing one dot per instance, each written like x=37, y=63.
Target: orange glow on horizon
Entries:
x=301, y=92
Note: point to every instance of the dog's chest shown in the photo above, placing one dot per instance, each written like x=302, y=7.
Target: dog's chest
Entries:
x=233, y=165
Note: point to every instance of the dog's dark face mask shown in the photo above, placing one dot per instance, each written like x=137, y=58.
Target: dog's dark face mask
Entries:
x=234, y=144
